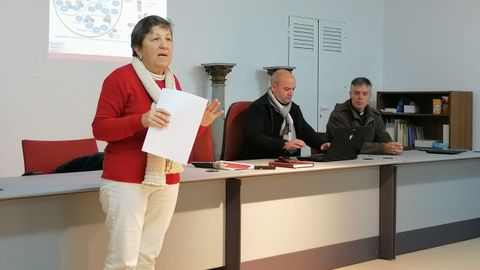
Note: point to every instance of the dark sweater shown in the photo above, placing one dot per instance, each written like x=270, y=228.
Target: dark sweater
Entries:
x=344, y=115
x=262, y=128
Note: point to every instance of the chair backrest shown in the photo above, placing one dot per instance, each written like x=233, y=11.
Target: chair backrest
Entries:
x=203, y=147
x=46, y=156
x=233, y=132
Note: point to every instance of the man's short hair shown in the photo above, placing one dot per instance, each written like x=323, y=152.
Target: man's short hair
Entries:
x=361, y=81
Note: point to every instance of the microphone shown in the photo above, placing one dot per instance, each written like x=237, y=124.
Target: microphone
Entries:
x=208, y=165
x=227, y=165
x=218, y=164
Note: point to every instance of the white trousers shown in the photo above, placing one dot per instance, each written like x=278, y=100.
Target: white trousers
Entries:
x=137, y=220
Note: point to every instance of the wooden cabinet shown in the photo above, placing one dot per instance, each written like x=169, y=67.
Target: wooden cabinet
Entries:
x=457, y=114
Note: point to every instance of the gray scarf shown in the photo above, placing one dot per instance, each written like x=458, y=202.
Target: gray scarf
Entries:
x=287, y=131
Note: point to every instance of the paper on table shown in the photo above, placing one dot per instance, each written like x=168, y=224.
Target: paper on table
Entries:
x=175, y=141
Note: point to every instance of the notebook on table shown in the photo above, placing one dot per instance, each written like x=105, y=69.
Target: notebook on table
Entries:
x=345, y=145
x=443, y=151
x=288, y=163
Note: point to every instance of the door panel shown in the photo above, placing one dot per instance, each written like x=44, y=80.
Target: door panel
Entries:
x=317, y=50
x=303, y=55
x=332, y=82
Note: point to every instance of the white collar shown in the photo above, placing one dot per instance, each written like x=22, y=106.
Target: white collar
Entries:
x=157, y=77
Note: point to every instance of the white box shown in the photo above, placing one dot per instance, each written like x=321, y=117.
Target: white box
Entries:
x=390, y=110
x=446, y=134
x=425, y=143
x=410, y=108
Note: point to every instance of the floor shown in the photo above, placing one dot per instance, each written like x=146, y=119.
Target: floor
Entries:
x=458, y=256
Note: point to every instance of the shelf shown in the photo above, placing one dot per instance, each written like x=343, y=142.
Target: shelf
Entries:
x=414, y=114
x=458, y=116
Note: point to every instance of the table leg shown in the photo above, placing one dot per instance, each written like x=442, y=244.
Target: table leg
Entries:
x=388, y=208
x=232, y=224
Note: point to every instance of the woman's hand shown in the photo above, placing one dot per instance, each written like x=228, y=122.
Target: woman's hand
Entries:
x=156, y=118
x=211, y=113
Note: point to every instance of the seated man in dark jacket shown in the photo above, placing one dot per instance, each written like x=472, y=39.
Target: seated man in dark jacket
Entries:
x=274, y=124
x=355, y=112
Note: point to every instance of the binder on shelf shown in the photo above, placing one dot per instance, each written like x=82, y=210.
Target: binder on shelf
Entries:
x=390, y=128
x=420, y=134
x=446, y=134
x=400, y=133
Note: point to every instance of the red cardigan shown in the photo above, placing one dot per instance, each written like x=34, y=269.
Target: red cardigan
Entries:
x=118, y=121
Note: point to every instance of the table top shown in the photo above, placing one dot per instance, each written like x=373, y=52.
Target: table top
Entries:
x=55, y=184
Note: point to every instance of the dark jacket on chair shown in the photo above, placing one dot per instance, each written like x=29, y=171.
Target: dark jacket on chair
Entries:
x=262, y=129
x=344, y=115
x=82, y=164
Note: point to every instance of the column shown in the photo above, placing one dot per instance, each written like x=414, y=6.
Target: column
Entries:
x=218, y=73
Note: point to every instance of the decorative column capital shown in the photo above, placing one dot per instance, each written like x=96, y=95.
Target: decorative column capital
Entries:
x=218, y=71
x=272, y=69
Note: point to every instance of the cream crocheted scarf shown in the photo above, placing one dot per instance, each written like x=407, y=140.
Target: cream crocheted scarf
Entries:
x=157, y=167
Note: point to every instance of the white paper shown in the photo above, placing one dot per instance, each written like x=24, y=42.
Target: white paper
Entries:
x=175, y=141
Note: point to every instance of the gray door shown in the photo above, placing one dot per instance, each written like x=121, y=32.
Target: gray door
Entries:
x=332, y=82
x=317, y=50
x=303, y=55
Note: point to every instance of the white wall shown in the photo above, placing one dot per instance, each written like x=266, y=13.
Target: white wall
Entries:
x=433, y=45
x=50, y=99
x=254, y=35
x=40, y=98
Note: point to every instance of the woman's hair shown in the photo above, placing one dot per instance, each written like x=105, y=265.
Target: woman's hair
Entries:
x=144, y=26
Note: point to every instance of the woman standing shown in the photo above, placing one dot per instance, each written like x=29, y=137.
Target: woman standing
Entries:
x=139, y=191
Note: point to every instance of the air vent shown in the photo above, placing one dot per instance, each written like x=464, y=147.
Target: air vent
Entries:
x=332, y=39
x=304, y=36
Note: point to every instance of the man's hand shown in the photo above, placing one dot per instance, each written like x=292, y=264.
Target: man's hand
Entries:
x=294, y=145
x=325, y=146
x=394, y=148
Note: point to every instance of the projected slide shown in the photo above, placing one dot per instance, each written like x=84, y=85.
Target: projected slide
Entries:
x=97, y=27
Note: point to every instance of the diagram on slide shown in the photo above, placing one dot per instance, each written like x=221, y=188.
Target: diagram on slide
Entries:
x=89, y=18
x=97, y=27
